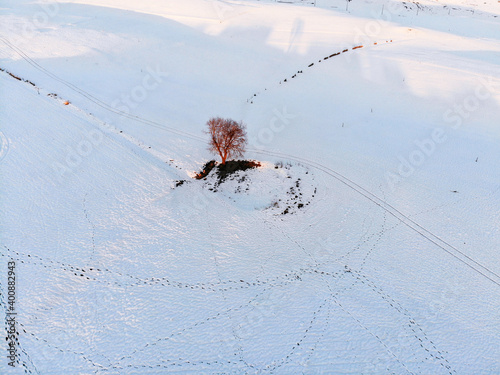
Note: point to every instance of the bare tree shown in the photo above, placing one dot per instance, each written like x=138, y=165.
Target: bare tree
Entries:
x=228, y=138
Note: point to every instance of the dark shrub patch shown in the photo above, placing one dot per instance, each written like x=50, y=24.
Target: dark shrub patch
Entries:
x=232, y=166
x=225, y=170
x=207, y=168
x=14, y=76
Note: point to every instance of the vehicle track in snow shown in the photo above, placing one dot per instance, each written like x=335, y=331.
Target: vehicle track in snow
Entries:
x=277, y=364
x=297, y=277
x=391, y=210
x=411, y=224
x=379, y=203
x=420, y=338
x=334, y=293
x=94, y=99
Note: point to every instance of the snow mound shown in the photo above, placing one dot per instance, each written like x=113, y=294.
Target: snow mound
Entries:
x=280, y=188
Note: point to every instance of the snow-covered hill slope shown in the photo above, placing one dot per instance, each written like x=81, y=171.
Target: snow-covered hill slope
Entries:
x=366, y=243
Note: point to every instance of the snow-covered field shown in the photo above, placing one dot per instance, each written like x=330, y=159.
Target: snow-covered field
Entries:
x=367, y=243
